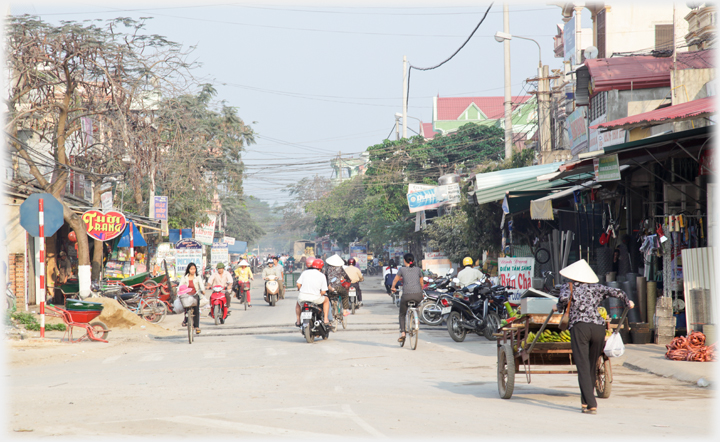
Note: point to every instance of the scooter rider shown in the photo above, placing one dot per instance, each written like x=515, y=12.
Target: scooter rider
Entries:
x=356, y=276
x=244, y=275
x=270, y=269
x=279, y=265
x=223, y=278
x=335, y=270
x=469, y=274
x=312, y=287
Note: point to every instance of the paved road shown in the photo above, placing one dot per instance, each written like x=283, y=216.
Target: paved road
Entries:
x=257, y=377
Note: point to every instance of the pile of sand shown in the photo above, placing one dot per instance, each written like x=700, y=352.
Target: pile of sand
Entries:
x=115, y=315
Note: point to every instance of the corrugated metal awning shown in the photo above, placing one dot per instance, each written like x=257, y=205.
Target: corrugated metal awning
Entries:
x=679, y=112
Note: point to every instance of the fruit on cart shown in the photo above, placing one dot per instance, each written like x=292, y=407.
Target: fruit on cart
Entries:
x=603, y=313
x=565, y=336
x=608, y=332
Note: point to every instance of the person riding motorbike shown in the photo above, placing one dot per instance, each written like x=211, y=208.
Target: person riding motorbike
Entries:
x=279, y=265
x=469, y=274
x=335, y=270
x=356, y=276
x=223, y=278
x=244, y=275
x=271, y=269
x=312, y=287
x=389, y=275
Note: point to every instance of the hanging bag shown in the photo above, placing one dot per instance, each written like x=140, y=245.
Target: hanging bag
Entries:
x=614, y=346
x=565, y=319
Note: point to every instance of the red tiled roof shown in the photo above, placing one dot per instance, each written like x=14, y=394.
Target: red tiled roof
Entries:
x=450, y=108
x=642, y=72
x=691, y=109
x=427, y=131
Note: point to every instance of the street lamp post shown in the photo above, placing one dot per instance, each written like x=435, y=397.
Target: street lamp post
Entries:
x=398, y=115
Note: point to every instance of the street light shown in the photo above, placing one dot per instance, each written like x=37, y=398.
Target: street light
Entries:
x=502, y=36
x=398, y=116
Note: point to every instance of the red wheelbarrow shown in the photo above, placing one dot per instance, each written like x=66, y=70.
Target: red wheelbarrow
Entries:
x=96, y=330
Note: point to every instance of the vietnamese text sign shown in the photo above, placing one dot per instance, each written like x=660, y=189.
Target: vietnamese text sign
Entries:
x=577, y=130
x=219, y=254
x=412, y=188
x=228, y=240
x=183, y=257
x=106, y=200
x=523, y=269
x=160, y=204
x=426, y=199
x=103, y=226
x=607, y=168
x=205, y=232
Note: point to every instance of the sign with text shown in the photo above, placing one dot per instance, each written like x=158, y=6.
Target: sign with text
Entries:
x=160, y=207
x=522, y=269
x=205, y=232
x=103, y=226
x=607, y=168
x=426, y=199
x=219, y=254
x=412, y=188
x=359, y=252
x=106, y=201
x=228, y=240
x=577, y=130
x=183, y=257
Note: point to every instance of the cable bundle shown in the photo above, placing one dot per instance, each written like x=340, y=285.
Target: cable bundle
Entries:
x=691, y=348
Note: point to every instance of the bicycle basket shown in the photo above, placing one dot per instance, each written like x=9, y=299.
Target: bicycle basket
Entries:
x=188, y=301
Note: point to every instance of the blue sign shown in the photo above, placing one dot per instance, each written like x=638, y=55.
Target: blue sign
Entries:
x=425, y=199
x=52, y=211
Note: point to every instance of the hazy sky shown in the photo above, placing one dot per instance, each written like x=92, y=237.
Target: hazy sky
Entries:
x=320, y=78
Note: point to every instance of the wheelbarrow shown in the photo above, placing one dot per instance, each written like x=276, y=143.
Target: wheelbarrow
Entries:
x=95, y=330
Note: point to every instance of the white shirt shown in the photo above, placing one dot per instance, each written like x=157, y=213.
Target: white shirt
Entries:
x=312, y=282
x=468, y=275
x=387, y=270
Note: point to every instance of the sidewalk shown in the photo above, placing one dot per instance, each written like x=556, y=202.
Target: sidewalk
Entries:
x=651, y=358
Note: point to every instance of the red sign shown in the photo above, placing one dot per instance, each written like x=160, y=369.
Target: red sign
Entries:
x=104, y=226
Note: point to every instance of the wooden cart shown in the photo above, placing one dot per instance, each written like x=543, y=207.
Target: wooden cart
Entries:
x=540, y=357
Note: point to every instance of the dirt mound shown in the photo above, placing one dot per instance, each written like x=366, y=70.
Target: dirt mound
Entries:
x=116, y=316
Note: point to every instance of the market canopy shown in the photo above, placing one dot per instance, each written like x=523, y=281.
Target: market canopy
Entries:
x=138, y=240
x=493, y=186
x=517, y=201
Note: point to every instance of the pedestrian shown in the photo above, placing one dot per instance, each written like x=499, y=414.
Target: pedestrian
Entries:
x=587, y=327
x=412, y=278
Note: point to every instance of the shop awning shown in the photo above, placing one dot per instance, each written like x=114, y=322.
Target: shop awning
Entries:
x=680, y=112
x=138, y=240
x=493, y=186
x=517, y=201
x=541, y=208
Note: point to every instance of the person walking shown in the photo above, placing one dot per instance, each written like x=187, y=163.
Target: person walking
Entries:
x=587, y=328
x=197, y=287
x=412, y=278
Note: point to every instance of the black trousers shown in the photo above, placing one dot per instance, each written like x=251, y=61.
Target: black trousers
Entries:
x=417, y=297
x=358, y=291
x=587, y=342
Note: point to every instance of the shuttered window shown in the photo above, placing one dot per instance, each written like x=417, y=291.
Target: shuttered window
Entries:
x=663, y=37
x=600, y=18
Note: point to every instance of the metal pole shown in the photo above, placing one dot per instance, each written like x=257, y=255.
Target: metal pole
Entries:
x=41, y=273
x=132, y=250
x=508, y=96
x=405, y=92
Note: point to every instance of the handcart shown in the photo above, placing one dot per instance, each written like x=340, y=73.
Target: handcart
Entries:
x=538, y=357
x=96, y=330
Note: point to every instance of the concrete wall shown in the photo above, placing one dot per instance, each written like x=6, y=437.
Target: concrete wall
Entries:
x=631, y=25
x=618, y=101
x=14, y=233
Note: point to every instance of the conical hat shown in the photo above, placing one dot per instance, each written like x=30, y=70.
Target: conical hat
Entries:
x=335, y=260
x=580, y=271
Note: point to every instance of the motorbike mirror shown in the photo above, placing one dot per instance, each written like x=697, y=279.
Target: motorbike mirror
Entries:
x=456, y=281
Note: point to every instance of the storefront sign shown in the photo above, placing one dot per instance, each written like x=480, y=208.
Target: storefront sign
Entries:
x=219, y=254
x=577, y=130
x=106, y=200
x=359, y=252
x=104, y=226
x=205, y=232
x=607, y=168
x=160, y=207
x=522, y=269
x=183, y=257
x=228, y=240
x=188, y=243
x=426, y=199
x=435, y=255
x=412, y=188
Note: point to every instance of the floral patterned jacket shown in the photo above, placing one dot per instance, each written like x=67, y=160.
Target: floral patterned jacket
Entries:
x=586, y=299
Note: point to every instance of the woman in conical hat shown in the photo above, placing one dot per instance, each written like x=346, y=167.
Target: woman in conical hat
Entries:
x=587, y=327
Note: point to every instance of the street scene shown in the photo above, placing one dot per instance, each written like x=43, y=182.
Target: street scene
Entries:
x=244, y=220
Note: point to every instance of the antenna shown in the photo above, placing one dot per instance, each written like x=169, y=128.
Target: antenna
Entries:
x=591, y=52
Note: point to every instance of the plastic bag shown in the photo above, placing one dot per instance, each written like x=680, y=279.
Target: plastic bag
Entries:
x=177, y=306
x=203, y=301
x=614, y=346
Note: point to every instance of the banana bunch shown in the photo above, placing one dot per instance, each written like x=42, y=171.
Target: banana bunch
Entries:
x=608, y=332
x=603, y=313
x=548, y=336
x=565, y=336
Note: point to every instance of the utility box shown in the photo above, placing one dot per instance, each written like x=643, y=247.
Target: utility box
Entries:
x=536, y=301
x=291, y=281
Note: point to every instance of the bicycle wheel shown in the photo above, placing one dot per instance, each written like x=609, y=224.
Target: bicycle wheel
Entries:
x=542, y=255
x=412, y=323
x=190, y=321
x=152, y=311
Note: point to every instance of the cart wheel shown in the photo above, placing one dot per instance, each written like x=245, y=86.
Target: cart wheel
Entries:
x=152, y=287
x=506, y=371
x=100, y=330
x=603, y=382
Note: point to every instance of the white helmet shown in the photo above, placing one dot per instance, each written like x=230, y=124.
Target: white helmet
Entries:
x=243, y=263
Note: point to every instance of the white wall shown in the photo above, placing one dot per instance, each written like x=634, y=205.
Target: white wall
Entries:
x=631, y=26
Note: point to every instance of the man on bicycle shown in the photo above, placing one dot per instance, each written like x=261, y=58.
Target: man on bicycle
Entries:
x=312, y=287
x=244, y=276
x=224, y=279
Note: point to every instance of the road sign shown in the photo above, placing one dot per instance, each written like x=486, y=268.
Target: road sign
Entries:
x=53, y=214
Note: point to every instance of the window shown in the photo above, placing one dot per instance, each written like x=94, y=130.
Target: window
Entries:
x=663, y=37
x=598, y=106
x=600, y=20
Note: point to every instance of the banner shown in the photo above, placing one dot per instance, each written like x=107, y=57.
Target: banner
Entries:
x=167, y=253
x=523, y=269
x=160, y=207
x=359, y=252
x=607, y=168
x=183, y=257
x=577, y=130
x=219, y=253
x=104, y=226
x=228, y=240
x=205, y=232
x=426, y=199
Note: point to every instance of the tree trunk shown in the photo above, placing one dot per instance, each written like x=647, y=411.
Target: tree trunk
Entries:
x=97, y=260
x=84, y=269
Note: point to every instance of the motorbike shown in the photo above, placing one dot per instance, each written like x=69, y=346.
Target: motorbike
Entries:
x=241, y=290
x=207, y=273
x=218, y=305
x=311, y=316
x=272, y=290
x=352, y=297
x=470, y=311
x=429, y=309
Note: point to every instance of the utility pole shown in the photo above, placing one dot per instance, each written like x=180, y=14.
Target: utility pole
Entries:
x=544, y=108
x=508, y=96
x=404, y=95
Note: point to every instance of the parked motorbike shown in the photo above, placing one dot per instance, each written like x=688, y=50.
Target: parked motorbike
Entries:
x=471, y=313
x=272, y=290
x=311, y=317
x=218, y=305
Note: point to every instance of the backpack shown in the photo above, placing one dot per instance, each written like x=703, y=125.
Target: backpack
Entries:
x=390, y=277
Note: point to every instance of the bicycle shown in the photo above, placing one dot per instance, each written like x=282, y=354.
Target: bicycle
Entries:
x=190, y=318
x=147, y=307
x=412, y=326
x=336, y=309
